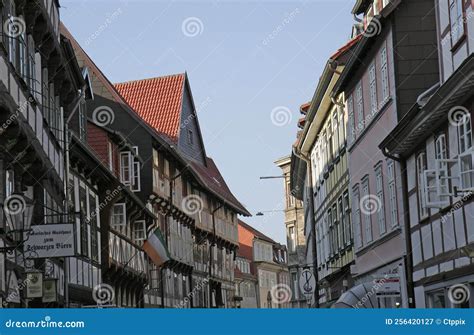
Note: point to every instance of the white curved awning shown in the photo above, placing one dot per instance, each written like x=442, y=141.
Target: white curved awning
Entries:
x=360, y=296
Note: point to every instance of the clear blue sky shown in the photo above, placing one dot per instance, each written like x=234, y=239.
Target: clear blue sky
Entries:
x=244, y=59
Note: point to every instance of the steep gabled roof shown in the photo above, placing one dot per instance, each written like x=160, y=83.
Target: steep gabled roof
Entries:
x=256, y=232
x=205, y=175
x=214, y=181
x=158, y=101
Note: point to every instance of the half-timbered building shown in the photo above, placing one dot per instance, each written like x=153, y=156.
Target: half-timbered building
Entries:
x=434, y=143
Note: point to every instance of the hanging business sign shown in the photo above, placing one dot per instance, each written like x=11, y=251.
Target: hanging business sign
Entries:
x=34, y=285
x=307, y=283
x=50, y=293
x=51, y=240
x=388, y=286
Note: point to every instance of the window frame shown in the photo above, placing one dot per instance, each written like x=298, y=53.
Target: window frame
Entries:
x=351, y=119
x=356, y=217
x=379, y=190
x=368, y=235
x=114, y=215
x=360, y=107
x=421, y=167
x=459, y=12
x=392, y=193
x=142, y=225
x=373, y=87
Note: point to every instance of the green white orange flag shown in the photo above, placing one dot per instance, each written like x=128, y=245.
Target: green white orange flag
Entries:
x=156, y=249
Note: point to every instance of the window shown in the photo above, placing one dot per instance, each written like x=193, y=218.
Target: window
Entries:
x=360, y=107
x=31, y=64
x=84, y=215
x=324, y=148
x=331, y=232
x=290, y=200
x=373, y=88
x=347, y=219
x=442, y=170
x=392, y=193
x=9, y=183
x=367, y=213
x=335, y=226
x=421, y=166
x=456, y=17
x=190, y=137
x=335, y=129
x=329, y=142
x=22, y=54
x=356, y=218
x=341, y=128
x=351, y=121
x=12, y=42
x=384, y=70
x=139, y=231
x=292, y=239
x=341, y=224
x=93, y=218
x=126, y=167
x=437, y=299
x=136, y=172
x=130, y=169
x=379, y=190
x=111, y=155
x=119, y=218
x=294, y=281
x=465, y=134
x=82, y=120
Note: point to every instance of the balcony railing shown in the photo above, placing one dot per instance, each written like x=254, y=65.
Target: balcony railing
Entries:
x=127, y=255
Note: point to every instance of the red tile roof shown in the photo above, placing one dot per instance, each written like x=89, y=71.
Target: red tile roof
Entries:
x=205, y=174
x=346, y=47
x=158, y=101
x=304, y=108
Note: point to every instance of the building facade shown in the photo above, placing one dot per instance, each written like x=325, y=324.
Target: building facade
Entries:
x=38, y=88
x=296, y=240
x=268, y=266
x=434, y=144
x=321, y=172
x=383, y=77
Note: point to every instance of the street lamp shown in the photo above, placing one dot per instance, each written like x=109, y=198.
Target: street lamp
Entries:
x=18, y=213
x=262, y=213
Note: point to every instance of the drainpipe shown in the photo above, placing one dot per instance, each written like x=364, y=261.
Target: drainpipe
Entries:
x=313, y=224
x=406, y=218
